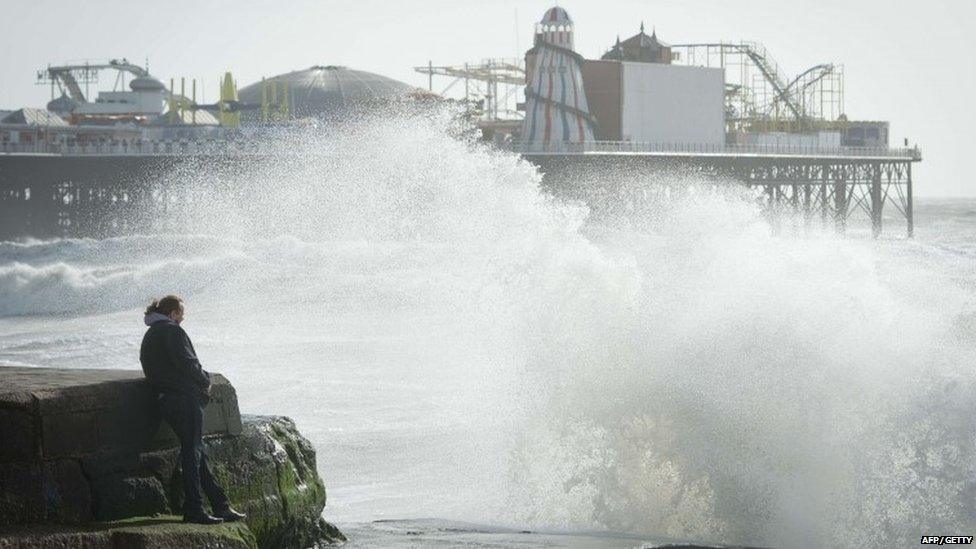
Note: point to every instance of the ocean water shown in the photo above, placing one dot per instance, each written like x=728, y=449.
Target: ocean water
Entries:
x=479, y=364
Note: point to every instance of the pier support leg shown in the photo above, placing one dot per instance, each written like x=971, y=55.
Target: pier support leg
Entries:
x=775, y=208
x=910, y=205
x=794, y=205
x=824, y=204
x=840, y=200
x=877, y=206
x=807, y=204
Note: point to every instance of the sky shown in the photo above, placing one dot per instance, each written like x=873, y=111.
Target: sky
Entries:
x=910, y=64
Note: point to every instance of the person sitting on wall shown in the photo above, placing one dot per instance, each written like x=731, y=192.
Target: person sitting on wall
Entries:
x=183, y=389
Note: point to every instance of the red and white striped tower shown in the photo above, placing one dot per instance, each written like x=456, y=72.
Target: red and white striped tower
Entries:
x=555, y=103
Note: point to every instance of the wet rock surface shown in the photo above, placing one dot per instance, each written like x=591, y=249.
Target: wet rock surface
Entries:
x=269, y=471
x=142, y=532
x=87, y=449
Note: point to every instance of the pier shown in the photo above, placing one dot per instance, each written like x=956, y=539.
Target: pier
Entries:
x=111, y=189
x=618, y=132
x=829, y=185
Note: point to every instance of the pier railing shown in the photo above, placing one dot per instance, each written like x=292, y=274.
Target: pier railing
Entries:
x=140, y=148
x=258, y=147
x=711, y=149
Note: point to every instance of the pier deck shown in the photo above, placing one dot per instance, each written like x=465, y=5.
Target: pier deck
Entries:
x=112, y=188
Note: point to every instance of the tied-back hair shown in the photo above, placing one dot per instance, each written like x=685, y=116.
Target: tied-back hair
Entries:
x=165, y=305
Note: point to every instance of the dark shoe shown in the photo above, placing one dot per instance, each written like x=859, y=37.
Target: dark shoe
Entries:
x=202, y=518
x=230, y=515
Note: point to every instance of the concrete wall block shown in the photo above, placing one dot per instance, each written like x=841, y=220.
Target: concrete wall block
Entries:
x=224, y=395
x=120, y=496
x=69, y=435
x=68, y=399
x=21, y=499
x=67, y=496
x=233, y=415
x=105, y=464
x=122, y=393
x=54, y=491
x=164, y=437
x=82, y=444
x=162, y=464
x=214, y=420
x=17, y=400
x=18, y=436
x=132, y=425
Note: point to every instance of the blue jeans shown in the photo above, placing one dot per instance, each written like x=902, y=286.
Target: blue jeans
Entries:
x=185, y=415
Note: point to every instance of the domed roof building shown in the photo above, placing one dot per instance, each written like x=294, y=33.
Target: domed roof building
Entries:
x=321, y=91
x=146, y=83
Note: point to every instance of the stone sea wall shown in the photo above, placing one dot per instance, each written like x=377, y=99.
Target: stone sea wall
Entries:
x=86, y=460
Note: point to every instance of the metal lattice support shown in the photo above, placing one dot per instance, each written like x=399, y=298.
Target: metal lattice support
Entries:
x=494, y=84
x=840, y=190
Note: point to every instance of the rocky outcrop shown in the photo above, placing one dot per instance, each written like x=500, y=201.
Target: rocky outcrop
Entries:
x=85, y=454
x=269, y=472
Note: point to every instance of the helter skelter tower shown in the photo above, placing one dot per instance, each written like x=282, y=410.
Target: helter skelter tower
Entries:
x=555, y=103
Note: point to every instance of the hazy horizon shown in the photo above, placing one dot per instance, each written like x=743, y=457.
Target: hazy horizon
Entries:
x=908, y=67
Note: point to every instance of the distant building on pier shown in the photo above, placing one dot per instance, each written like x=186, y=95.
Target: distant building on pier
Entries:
x=641, y=48
x=638, y=95
x=319, y=91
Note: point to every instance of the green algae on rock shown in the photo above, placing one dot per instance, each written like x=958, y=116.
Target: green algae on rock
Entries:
x=270, y=473
x=163, y=531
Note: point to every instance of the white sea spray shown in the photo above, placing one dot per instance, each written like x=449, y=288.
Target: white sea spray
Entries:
x=460, y=345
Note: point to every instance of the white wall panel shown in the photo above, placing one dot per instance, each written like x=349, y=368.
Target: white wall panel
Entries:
x=673, y=104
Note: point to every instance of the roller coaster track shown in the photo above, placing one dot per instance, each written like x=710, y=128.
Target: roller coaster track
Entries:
x=785, y=93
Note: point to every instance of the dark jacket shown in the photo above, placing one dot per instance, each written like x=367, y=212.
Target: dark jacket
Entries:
x=169, y=361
